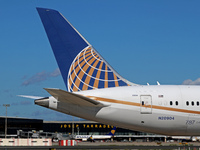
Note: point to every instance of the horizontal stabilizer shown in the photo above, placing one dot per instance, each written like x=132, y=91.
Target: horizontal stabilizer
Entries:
x=73, y=98
x=31, y=97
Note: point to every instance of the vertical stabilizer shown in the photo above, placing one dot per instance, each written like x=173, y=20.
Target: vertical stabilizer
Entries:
x=112, y=132
x=81, y=66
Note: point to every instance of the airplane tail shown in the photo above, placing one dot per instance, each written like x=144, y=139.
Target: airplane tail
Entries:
x=112, y=132
x=81, y=66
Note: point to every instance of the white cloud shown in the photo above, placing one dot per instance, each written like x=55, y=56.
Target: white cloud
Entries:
x=41, y=76
x=190, y=82
x=55, y=73
x=26, y=102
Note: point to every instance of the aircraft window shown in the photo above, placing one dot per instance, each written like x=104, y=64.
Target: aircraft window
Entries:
x=142, y=102
x=197, y=103
x=171, y=103
x=176, y=102
x=192, y=103
x=187, y=103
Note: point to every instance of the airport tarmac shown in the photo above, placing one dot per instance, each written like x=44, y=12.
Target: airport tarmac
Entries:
x=139, y=143
x=112, y=145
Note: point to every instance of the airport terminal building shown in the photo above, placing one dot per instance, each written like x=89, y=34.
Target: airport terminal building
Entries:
x=76, y=127
x=29, y=126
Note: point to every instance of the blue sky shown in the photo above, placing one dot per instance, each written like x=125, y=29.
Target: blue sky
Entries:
x=145, y=41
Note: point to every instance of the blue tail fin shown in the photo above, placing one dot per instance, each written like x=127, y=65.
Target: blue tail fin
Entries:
x=81, y=66
x=112, y=132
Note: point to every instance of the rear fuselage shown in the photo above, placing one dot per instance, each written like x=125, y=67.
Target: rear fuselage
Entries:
x=161, y=109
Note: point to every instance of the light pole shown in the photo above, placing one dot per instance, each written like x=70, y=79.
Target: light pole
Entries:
x=6, y=105
x=73, y=126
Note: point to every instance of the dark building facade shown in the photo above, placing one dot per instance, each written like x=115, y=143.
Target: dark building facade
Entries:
x=14, y=124
x=66, y=127
x=84, y=128
x=37, y=128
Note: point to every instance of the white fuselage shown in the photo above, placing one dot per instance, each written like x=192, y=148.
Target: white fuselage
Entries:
x=161, y=109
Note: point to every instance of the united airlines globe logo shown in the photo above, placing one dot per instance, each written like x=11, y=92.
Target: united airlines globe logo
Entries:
x=89, y=71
